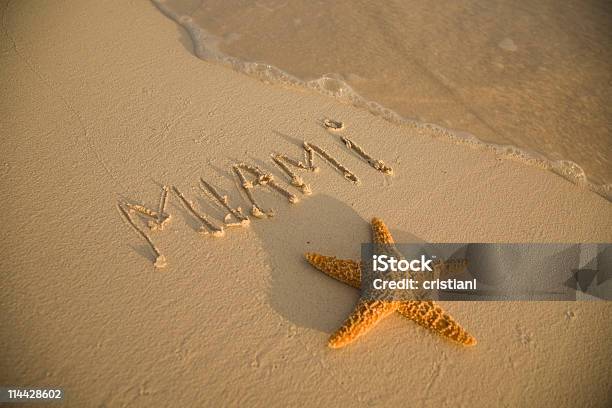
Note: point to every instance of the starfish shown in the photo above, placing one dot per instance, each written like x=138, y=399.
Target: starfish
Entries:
x=368, y=313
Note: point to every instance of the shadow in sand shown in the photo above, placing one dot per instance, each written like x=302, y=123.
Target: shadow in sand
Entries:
x=297, y=291
x=290, y=139
x=144, y=251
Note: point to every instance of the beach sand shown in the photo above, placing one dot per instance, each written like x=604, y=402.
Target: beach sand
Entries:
x=105, y=102
x=526, y=74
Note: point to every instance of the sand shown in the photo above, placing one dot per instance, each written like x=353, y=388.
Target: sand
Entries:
x=104, y=101
x=529, y=74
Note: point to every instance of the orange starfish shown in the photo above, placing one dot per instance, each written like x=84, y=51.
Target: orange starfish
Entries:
x=368, y=313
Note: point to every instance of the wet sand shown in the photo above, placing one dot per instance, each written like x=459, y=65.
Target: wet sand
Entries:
x=103, y=103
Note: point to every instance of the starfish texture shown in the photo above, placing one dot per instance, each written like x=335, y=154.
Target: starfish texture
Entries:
x=368, y=313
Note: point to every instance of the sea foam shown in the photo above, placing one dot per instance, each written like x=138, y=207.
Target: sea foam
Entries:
x=206, y=47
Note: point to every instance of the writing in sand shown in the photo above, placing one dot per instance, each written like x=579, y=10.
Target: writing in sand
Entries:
x=250, y=177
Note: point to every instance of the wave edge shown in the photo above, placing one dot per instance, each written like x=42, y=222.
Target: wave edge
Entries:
x=205, y=48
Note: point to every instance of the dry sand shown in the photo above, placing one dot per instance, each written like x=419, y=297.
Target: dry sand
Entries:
x=531, y=74
x=103, y=101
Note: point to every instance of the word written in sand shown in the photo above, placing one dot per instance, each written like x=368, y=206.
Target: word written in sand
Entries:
x=249, y=177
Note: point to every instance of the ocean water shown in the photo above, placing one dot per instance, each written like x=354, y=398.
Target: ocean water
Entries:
x=531, y=79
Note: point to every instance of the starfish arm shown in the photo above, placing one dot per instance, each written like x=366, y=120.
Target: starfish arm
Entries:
x=365, y=316
x=430, y=315
x=380, y=232
x=344, y=270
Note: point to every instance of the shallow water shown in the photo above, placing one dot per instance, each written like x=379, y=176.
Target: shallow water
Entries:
x=535, y=75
